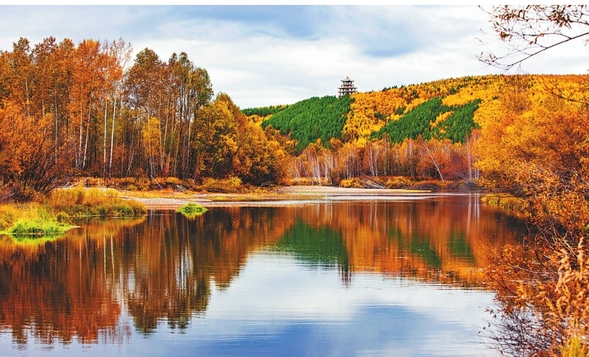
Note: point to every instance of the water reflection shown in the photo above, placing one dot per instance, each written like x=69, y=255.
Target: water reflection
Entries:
x=110, y=280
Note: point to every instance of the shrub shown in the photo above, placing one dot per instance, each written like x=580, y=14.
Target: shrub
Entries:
x=351, y=183
x=398, y=182
x=172, y=181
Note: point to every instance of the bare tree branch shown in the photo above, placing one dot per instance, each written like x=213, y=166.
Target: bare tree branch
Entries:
x=533, y=29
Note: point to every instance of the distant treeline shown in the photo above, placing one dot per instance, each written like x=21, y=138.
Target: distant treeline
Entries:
x=264, y=111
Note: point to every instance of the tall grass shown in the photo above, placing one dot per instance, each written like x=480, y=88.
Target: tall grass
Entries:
x=30, y=220
x=506, y=201
x=93, y=202
x=9, y=214
x=38, y=227
x=54, y=216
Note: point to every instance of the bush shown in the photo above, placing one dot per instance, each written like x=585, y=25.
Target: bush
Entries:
x=172, y=181
x=351, y=183
x=398, y=182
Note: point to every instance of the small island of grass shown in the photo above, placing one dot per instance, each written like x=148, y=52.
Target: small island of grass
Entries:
x=38, y=228
x=192, y=210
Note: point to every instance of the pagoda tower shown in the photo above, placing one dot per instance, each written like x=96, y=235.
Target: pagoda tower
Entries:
x=347, y=87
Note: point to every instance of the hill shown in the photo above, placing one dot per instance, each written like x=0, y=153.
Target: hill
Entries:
x=444, y=109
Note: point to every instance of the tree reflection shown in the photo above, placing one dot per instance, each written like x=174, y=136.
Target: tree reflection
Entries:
x=174, y=260
x=163, y=269
x=446, y=241
x=317, y=246
x=61, y=289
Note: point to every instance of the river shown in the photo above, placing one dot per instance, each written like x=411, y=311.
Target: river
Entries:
x=342, y=277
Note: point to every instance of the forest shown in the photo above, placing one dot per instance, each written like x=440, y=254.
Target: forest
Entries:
x=70, y=111
x=87, y=110
x=444, y=131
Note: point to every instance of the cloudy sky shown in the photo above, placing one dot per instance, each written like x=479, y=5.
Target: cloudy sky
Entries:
x=269, y=55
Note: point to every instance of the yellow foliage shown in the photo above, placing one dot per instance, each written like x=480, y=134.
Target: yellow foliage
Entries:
x=440, y=119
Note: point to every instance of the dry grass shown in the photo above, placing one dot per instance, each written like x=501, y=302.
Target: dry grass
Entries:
x=506, y=201
x=165, y=193
x=93, y=202
x=51, y=218
x=30, y=221
x=10, y=214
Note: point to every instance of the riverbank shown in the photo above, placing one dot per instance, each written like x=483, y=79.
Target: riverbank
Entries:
x=281, y=196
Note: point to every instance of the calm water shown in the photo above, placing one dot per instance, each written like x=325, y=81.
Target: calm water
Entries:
x=340, y=278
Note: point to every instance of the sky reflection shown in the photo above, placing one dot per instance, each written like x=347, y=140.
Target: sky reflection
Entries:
x=278, y=306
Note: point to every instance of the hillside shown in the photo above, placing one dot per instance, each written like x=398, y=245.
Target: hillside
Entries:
x=312, y=119
x=444, y=109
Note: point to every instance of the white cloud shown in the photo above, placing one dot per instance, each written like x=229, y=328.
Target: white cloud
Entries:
x=278, y=55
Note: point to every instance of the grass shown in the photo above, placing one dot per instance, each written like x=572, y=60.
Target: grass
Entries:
x=30, y=221
x=93, y=202
x=506, y=201
x=192, y=210
x=165, y=193
x=38, y=228
x=54, y=216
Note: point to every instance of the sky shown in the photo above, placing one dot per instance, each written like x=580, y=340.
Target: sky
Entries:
x=270, y=55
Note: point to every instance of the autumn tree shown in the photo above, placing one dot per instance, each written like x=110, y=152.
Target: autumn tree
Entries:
x=16, y=76
x=537, y=149
x=192, y=90
x=144, y=89
x=258, y=159
x=119, y=53
x=28, y=165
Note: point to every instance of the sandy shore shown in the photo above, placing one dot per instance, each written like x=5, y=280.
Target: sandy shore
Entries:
x=293, y=195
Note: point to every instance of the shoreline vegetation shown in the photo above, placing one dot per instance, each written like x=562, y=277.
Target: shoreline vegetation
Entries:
x=228, y=193
x=56, y=213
